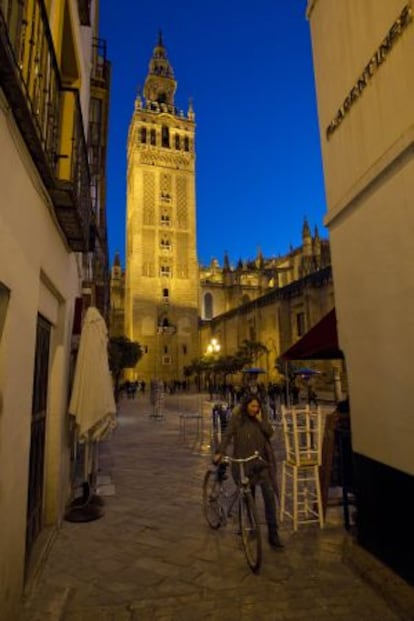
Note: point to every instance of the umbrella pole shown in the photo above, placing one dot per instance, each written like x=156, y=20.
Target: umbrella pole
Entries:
x=86, y=510
x=287, y=385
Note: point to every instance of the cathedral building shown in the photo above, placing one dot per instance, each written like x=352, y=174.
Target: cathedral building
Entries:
x=161, y=283
x=225, y=288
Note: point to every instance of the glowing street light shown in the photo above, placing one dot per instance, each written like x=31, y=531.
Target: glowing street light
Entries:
x=213, y=347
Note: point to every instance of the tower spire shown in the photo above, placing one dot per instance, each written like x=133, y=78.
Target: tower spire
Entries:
x=160, y=85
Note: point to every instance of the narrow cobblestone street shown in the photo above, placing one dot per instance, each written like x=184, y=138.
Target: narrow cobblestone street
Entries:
x=152, y=555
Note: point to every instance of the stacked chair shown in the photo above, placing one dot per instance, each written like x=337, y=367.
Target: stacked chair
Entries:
x=301, y=498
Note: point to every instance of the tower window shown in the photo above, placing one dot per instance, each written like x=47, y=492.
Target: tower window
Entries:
x=165, y=219
x=165, y=270
x=186, y=144
x=153, y=137
x=165, y=244
x=165, y=136
x=184, y=349
x=143, y=134
x=165, y=293
x=177, y=142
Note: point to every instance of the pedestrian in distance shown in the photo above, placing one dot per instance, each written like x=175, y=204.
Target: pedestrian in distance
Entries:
x=249, y=430
x=312, y=397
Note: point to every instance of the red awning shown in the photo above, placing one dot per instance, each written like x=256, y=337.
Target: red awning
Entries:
x=319, y=343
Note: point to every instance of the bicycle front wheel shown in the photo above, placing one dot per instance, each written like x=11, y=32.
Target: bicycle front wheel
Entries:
x=211, y=500
x=250, y=532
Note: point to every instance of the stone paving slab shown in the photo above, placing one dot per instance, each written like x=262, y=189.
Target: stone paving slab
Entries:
x=152, y=555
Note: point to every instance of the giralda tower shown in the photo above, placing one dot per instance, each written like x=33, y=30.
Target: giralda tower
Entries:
x=161, y=297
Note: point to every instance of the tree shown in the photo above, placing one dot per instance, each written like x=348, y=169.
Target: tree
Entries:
x=123, y=354
x=252, y=350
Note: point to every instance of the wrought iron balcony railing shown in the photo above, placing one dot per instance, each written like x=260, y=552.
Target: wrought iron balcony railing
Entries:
x=100, y=75
x=48, y=116
x=71, y=193
x=29, y=76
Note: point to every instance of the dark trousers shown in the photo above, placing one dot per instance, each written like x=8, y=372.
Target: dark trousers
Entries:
x=268, y=494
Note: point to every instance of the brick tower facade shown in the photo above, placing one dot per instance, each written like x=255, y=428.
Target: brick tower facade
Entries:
x=162, y=277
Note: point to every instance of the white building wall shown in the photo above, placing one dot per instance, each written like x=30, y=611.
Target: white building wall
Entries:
x=368, y=166
x=42, y=276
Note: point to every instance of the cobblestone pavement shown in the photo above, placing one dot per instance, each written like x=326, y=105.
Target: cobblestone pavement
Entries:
x=152, y=555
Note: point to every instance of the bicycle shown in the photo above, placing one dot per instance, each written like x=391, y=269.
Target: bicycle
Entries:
x=218, y=506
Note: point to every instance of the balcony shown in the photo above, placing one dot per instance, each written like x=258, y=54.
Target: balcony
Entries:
x=48, y=116
x=101, y=67
x=71, y=193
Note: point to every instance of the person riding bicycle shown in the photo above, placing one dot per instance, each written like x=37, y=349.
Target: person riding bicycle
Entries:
x=250, y=431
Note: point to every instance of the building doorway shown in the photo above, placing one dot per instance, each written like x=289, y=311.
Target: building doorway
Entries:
x=38, y=435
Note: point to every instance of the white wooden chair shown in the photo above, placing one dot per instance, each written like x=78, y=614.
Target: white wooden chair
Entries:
x=301, y=498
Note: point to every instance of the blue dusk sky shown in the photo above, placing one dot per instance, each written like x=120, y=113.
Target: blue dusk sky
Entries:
x=248, y=68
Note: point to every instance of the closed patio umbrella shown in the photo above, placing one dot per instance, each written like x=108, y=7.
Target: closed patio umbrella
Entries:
x=92, y=400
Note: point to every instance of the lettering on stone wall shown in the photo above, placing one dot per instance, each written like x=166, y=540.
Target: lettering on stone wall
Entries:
x=376, y=60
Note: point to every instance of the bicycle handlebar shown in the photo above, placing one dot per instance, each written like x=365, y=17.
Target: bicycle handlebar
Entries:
x=228, y=459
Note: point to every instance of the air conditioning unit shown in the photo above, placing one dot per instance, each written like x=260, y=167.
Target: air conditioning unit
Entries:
x=166, y=360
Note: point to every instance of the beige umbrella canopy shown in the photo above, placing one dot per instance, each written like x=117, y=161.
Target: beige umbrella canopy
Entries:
x=92, y=400
x=93, y=406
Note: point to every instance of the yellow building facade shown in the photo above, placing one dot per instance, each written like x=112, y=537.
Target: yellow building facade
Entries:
x=161, y=284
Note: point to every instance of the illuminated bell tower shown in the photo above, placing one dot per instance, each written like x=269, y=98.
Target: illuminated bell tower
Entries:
x=161, y=298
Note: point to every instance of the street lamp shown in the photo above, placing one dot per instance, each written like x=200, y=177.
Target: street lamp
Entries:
x=213, y=347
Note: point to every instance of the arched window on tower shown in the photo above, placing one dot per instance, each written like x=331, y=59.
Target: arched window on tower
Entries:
x=165, y=243
x=143, y=134
x=177, y=142
x=186, y=143
x=208, y=306
x=165, y=136
x=153, y=137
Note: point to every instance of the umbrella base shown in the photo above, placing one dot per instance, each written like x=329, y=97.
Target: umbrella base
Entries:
x=86, y=508
x=85, y=513
x=87, y=497
x=93, y=500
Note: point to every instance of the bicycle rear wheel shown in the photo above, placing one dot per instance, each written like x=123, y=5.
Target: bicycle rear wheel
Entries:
x=250, y=532
x=212, y=509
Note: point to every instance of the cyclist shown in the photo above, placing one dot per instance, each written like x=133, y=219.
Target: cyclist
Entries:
x=250, y=431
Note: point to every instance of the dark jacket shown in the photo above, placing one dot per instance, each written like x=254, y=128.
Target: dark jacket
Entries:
x=248, y=435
